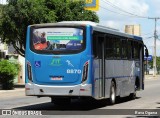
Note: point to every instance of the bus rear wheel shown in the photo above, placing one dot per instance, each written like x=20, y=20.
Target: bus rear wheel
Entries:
x=112, y=93
x=132, y=96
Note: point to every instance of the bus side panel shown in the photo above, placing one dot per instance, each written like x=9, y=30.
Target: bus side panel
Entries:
x=27, y=54
x=89, y=53
x=28, y=63
x=142, y=68
x=90, y=57
x=132, y=75
x=109, y=74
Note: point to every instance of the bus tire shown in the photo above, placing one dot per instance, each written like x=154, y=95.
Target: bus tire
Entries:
x=112, y=93
x=137, y=84
x=132, y=96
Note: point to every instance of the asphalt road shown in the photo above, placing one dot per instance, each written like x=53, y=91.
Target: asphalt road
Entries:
x=147, y=99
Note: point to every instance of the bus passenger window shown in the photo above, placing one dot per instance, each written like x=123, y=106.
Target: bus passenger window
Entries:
x=117, y=48
x=99, y=42
x=129, y=50
x=132, y=46
x=124, y=49
x=136, y=50
x=95, y=46
x=109, y=47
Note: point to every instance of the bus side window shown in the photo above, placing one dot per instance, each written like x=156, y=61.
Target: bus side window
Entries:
x=136, y=50
x=132, y=44
x=117, y=48
x=109, y=47
x=124, y=49
x=129, y=50
x=95, y=46
x=99, y=45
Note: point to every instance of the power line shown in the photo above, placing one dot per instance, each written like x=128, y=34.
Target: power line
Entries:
x=149, y=37
x=118, y=12
x=147, y=34
x=122, y=10
x=129, y=14
x=119, y=4
x=152, y=36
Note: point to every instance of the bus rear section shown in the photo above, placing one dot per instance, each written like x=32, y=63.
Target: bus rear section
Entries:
x=58, y=61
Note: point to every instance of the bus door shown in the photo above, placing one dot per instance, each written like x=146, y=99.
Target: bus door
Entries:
x=101, y=57
x=141, y=68
x=142, y=65
x=140, y=81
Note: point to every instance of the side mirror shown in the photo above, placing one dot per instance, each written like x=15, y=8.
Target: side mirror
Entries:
x=146, y=52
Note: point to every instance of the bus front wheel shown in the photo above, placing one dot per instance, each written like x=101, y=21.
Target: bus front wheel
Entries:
x=112, y=93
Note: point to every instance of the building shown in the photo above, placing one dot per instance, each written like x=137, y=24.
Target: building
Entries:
x=3, y=49
x=133, y=29
x=21, y=60
x=8, y=52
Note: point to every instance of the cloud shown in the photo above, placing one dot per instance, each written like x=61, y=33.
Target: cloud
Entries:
x=150, y=45
x=107, y=7
x=137, y=7
x=111, y=24
x=155, y=7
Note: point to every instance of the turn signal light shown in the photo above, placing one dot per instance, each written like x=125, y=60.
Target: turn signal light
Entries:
x=85, y=71
x=29, y=71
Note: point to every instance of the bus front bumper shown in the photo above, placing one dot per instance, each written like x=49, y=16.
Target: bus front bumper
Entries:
x=46, y=90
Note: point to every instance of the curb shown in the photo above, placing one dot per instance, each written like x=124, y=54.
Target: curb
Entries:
x=19, y=86
x=148, y=77
x=14, y=90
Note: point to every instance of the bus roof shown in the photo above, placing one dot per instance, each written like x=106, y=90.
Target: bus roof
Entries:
x=96, y=27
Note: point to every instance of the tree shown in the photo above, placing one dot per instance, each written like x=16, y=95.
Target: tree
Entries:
x=157, y=63
x=18, y=14
x=8, y=71
x=71, y=10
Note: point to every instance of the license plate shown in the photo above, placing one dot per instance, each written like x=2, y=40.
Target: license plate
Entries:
x=56, y=78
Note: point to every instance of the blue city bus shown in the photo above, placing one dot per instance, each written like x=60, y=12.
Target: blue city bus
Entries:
x=75, y=59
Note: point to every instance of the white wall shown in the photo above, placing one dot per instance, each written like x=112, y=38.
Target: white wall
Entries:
x=21, y=61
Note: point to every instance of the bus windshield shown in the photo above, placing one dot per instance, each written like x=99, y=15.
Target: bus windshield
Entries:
x=57, y=39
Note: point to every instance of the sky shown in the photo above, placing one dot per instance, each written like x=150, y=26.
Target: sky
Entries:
x=118, y=13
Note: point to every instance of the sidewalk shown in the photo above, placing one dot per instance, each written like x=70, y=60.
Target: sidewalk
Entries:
x=14, y=90
x=17, y=88
x=21, y=87
x=146, y=77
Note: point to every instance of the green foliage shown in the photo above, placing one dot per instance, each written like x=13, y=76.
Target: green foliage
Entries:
x=69, y=10
x=18, y=14
x=8, y=71
x=157, y=63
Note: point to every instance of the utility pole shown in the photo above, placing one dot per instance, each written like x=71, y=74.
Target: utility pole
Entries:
x=155, y=37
